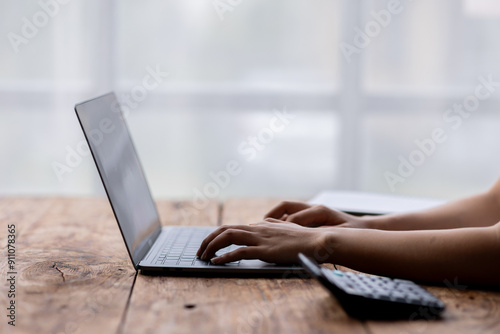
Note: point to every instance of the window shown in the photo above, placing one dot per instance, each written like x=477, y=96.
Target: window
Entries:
x=304, y=96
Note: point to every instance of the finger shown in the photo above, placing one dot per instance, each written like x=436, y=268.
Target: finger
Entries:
x=314, y=216
x=217, y=232
x=242, y=253
x=227, y=238
x=286, y=208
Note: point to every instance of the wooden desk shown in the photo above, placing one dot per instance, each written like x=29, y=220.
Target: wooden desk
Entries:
x=74, y=276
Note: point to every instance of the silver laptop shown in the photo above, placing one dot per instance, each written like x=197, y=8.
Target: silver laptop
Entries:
x=151, y=247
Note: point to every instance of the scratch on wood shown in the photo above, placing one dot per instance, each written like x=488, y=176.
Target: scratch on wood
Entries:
x=62, y=274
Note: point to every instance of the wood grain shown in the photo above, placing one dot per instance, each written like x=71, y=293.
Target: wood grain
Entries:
x=163, y=304
x=74, y=275
x=467, y=311
x=23, y=212
x=246, y=210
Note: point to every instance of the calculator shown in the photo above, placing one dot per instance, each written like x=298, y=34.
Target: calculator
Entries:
x=367, y=296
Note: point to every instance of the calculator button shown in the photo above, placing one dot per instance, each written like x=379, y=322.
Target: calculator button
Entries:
x=338, y=273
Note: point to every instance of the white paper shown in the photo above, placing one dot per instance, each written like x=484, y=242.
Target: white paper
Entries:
x=373, y=203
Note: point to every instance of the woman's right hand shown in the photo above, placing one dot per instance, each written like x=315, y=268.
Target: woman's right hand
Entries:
x=314, y=215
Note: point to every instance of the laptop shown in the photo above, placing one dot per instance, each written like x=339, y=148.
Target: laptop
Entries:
x=152, y=248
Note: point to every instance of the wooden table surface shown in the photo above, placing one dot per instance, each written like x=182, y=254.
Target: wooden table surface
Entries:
x=73, y=275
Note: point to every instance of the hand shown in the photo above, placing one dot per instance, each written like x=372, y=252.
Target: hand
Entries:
x=314, y=215
x=271, y=241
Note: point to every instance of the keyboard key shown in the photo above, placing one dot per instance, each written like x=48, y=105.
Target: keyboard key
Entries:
x=185, y=262
x=200, y=263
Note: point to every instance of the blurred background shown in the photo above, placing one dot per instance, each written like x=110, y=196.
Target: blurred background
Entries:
x=361, y=87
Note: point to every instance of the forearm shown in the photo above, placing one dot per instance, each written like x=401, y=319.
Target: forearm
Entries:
x=477, y=211
x=469, y=255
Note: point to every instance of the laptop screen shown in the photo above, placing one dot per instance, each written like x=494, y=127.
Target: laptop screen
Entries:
x=121, y=173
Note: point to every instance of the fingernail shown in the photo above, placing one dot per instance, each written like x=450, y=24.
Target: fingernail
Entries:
x=215, y=260
x=203, y=256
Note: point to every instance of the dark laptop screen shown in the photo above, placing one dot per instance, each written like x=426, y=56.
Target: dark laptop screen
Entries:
x=121, y=173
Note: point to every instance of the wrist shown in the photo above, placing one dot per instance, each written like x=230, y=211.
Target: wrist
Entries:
x=374, y=222
x=325, y=248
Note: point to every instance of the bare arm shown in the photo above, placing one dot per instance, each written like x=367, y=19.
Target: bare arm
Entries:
x=459, y=240
x=476, y=211
x=466, y=255
x=470, y=255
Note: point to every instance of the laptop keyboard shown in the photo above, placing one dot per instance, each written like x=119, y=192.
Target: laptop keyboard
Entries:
x=180, y=247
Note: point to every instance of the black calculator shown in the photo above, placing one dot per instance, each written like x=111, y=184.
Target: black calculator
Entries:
x=367, y=296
